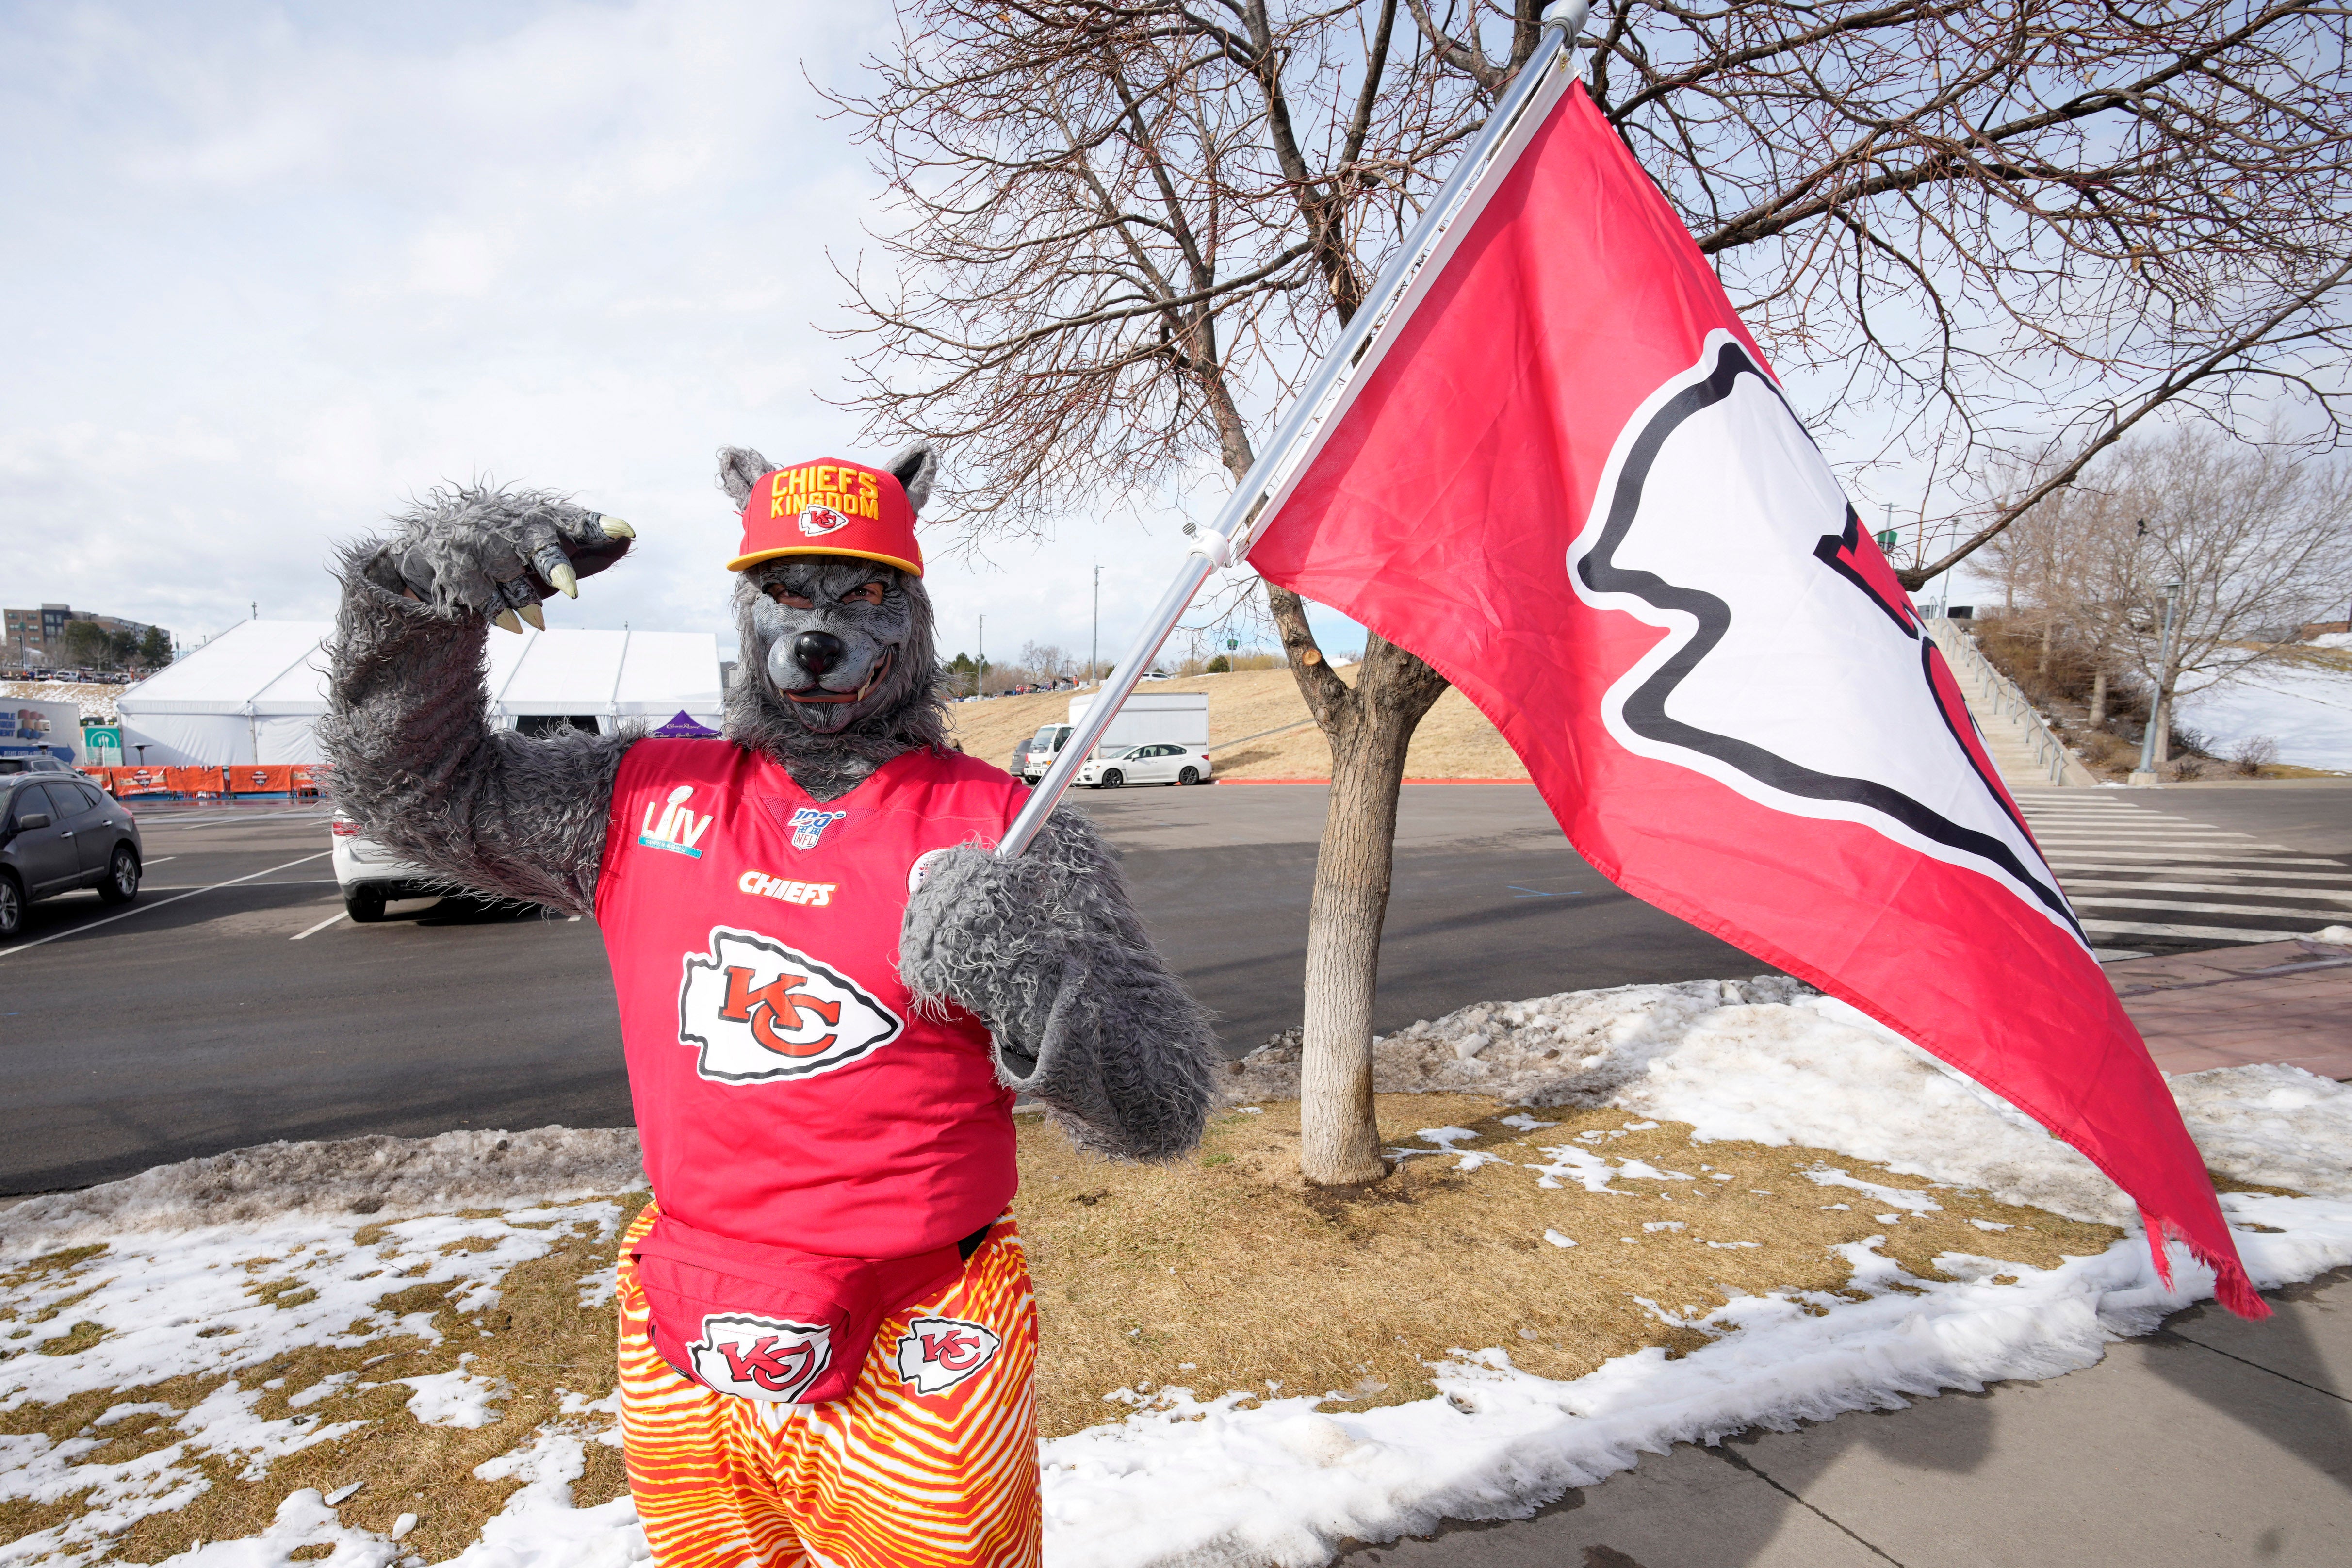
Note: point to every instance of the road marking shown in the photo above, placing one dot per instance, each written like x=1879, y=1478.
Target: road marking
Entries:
x=2194, y=934
x=139, y=908
x=159, y=859
x=2204, y=909
x=2176, y=855
x=2072, y=883
x=331, y=920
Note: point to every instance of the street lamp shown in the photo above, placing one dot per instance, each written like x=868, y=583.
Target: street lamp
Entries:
x=2159, y=716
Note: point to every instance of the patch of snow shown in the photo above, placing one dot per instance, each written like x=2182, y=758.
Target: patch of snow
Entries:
x=382, y=1177
x=1213, y=1481
x=2305, y=707
x=454, y=1398
x=1901, y=1197
x=216, y=1297
x=1559, y=1240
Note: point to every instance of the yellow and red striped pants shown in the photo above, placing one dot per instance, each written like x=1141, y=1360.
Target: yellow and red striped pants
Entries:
x=892, y=1477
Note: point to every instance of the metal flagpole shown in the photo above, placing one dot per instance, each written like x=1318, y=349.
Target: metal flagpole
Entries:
x=1212, y=547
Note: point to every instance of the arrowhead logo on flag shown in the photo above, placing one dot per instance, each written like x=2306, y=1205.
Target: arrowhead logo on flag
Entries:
x=1566, y=478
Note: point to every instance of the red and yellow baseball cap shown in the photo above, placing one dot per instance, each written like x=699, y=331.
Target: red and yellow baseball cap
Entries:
x=830, y=507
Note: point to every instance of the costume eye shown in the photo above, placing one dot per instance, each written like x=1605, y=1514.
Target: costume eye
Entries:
x=786, y=597
x=864, y=594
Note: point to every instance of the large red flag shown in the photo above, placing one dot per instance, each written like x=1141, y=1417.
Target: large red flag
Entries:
x=1567, y=478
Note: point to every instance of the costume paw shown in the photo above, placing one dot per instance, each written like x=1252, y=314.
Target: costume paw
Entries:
x=497, y=553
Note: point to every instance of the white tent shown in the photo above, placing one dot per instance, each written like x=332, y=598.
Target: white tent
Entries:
x=253, y=693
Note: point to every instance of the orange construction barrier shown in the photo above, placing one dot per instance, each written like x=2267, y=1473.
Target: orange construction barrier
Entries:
x=101, y=777
x=140, y=781
x=195, y=780
x=273, y=778
x=309, y=778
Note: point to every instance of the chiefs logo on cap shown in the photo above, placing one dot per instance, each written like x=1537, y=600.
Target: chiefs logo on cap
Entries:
x=829, y=507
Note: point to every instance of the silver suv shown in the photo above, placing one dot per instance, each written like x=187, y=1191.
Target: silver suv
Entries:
x=59, y=833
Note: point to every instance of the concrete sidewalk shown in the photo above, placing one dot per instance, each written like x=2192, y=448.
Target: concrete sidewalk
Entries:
x=2209, y=1442
x=2267, y=1002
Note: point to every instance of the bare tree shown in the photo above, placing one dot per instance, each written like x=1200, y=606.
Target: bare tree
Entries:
x=1131, y=227
x=2007, y=231
x=2259, y=541
x=1120, y=231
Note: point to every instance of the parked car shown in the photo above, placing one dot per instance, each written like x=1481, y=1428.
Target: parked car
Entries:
x=58, y=833
x=372, y=876
x=34, y=764
x=1163, y=763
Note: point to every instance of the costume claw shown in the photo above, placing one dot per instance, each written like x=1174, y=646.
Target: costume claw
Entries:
x=565, y=578
x=535, y=615
x=506, y=619
x=615, y=529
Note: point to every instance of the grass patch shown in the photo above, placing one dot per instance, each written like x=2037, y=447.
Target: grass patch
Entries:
x=1230, y=1273
x=1218, y=1274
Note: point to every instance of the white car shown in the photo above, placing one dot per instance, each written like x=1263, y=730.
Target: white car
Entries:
x=1164, y=762
x=370, y=875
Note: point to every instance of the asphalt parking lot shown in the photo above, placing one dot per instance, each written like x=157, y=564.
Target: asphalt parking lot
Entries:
x=230, y=1006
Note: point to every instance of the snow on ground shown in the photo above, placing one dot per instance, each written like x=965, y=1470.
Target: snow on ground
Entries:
x=2305, y=707
x=1197, y=1477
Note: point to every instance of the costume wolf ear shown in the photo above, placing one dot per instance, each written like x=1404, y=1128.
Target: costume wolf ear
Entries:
x=915, y=468
x=740, y=468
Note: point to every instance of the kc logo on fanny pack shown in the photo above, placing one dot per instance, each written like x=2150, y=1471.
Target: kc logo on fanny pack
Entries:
x=761, y=1358
x=937, y=1353
x=760, y=1012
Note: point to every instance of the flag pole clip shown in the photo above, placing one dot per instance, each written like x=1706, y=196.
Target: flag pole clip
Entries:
x=1215, y=548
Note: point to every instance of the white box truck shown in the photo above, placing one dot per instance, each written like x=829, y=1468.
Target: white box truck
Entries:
x=1145, y=718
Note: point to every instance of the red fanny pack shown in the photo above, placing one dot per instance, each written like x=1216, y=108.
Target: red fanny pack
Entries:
x=768, y=1322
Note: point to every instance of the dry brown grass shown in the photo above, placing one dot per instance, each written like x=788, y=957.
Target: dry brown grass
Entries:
x=539, y=1340
x=1231, y=1274
x=1217, y=1274
x=1454, y=740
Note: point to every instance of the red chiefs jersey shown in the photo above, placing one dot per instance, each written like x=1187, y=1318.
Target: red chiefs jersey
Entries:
x=787, y=1091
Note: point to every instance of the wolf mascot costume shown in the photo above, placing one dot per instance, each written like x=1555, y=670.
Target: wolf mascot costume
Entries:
x=830, y=994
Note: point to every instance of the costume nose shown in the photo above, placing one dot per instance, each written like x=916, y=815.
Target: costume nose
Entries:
x=817, y=652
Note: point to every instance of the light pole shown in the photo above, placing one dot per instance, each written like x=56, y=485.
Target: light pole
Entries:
x=2160, y=718
x=1093, y=642
x=980, y=672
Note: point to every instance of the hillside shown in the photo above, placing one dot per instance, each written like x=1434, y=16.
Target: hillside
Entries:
x=1454, y=741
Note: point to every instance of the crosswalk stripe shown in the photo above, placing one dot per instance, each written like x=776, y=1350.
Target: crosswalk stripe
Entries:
x=2345, y=895
x=2190, y=933
x=2176, y=857
x=2174, y=868
x=2323, y=916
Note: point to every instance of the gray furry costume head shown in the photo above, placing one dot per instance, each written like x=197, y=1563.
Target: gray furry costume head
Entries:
x=829, y=684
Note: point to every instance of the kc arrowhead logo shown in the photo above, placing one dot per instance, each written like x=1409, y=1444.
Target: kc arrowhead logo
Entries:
x=772, y=1359
x=937, y=1353
x=762, y=1012
x=1716, y=519
x=816, y=519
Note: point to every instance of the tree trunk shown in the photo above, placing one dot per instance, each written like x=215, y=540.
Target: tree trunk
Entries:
x=2160, y=715
x=2099, y=697
x=1339, y=1140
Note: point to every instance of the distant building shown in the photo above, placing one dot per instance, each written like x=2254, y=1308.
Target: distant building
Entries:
x=36, y=639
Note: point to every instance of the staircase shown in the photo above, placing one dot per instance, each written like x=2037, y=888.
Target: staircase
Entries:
x=2022, y=747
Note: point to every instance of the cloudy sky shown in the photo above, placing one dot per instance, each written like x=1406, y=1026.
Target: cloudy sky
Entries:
x=267, y=270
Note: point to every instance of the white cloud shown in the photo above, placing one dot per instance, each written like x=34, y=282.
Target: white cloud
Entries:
x=268, y=274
